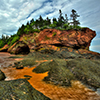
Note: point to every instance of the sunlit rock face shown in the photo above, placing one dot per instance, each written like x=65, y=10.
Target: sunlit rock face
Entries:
x=71, y=38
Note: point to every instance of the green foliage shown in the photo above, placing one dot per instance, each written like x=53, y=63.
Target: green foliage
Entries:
x=54, y=34
x=66, y=25
x=3, y=40
x=36, y=30
x=40, y=24
x=59, y=28
x=34, y=34
x=1, y=43
x=78, y=27
x=53, y=25
x=13, y=39
x=44, y=27
x=74, y=16
x=69, y=27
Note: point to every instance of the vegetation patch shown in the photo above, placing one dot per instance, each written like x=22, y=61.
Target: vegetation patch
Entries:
x=54, y=34
x=13, y=40
x=34, y=34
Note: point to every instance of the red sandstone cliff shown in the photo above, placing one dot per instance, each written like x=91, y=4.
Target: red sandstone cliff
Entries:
x=71, y=38
x=75, y=39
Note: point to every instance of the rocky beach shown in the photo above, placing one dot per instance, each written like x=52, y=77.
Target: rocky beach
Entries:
x=77, y=91
x=53, y=64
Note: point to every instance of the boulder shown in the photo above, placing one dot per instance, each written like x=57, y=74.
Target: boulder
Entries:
x=2, y=76
x=58, y=74
x=19, y=90
x=20, y=67
x=71, y=38
x=19, y=48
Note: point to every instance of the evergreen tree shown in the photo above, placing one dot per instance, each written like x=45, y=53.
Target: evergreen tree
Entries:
x=28, y=23
x=47, y=21
x=32, y=21
x=40, y=21
x=54, y=20
x=3, y=37
x=60, y=19
x=40, y=18
x=66, y=18
x=74, y=16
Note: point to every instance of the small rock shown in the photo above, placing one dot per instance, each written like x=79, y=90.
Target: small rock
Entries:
x=20, y=67
x=16, y=63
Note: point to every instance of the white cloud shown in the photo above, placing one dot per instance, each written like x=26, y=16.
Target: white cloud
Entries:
x=14, y=13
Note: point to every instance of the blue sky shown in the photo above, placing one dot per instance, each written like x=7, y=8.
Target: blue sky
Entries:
x=14, y=13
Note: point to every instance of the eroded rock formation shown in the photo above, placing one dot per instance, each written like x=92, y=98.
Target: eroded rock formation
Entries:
x=19, y=48
x=72, y=38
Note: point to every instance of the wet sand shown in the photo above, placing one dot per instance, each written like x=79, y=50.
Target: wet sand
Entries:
x=5, y=60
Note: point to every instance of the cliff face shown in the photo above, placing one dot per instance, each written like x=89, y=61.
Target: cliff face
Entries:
x=72, y=38
x=53, y=38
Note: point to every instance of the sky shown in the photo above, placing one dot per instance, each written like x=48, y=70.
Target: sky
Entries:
x=14, y=13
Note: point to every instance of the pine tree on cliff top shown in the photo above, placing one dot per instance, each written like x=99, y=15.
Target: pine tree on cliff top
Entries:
x=74, y=16
x=61, y=20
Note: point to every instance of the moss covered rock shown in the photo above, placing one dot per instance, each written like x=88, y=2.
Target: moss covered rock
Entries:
x=57, y=72
x=19, y=90
x=85, y=70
